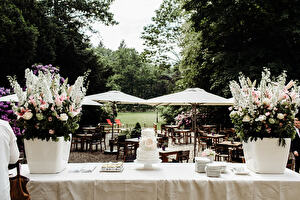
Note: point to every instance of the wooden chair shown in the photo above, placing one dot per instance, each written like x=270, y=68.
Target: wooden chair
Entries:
x=122, y=147
x=291, y=161
x=162, y=141
x=163, y=130
x=223, y=153
x=102, y=138
x=94, y=140
x=182, y=156
x=75, y=141
x=201, y=140
x=155, y=128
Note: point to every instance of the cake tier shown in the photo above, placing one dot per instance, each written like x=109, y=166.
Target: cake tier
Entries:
x=147, y=155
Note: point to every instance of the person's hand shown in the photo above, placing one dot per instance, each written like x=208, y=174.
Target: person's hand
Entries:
x=296, y=153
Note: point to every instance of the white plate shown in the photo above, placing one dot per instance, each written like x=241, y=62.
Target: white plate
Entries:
x=240, y=171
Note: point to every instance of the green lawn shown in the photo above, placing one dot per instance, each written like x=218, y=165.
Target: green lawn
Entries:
x=146, y=119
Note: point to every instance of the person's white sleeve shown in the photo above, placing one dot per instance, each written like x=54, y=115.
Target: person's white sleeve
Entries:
x=14, y=150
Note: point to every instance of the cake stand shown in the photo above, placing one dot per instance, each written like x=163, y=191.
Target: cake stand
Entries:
x=148, y=163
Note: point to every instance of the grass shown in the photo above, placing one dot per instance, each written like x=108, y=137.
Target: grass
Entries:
x=146, y=119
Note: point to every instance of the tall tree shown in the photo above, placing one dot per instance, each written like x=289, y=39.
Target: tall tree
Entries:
x=132, y=75
x=162, y=37
x=18, y=40
x=232, y=36
x=59, y=38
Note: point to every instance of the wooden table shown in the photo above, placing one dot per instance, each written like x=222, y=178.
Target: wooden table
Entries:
x=186, y=135
x=215, y=137
x=171, y=126
x=209, y=127
x=230, y=144
x=167, y=152
x=130, y=144
x=233, y=145
x=83, y=138
x=88, y=129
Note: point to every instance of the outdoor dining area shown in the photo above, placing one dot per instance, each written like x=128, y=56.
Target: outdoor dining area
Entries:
x=176, y=175
x=175, y=144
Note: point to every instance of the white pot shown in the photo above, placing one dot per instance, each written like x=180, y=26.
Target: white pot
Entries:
x=266, y=156
x=47, y=156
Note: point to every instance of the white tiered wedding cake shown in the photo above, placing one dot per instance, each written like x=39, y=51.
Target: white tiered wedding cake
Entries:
x=147, y=150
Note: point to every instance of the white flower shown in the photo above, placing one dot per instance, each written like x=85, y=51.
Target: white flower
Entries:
x=39, y=116
x=272, y=121
x=63, y=117
x=267, y=101
x=246, y=118
x=280, y=116
x=261, y=118
x=232, y=113
x=208, y=152
x=73, y=114
x=28, y=115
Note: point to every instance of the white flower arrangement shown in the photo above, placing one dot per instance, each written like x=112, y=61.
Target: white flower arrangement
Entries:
x=267, y=110
x=49, y=107
x=208, y=152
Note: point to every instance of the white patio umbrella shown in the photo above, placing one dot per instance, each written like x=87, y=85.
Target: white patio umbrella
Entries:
x=14, y=98
x=115, y=97
x=88, y=102
x=192, y=97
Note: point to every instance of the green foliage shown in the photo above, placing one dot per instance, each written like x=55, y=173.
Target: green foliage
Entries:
x=162, y=37
x=47, y=31
x=130, y=73
x=18, y=40
x=232, y=36
x=136, y=131
x=91, y=115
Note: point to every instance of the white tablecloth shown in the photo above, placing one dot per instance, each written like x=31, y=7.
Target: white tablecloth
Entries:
x=166, y=181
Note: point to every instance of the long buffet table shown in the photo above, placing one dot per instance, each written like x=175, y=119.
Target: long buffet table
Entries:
x=165, y=181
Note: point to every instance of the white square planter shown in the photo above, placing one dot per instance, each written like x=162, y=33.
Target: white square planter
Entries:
x=266, y=156
x=47, y=156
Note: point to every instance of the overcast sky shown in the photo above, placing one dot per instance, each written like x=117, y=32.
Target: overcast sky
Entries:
x=132, y=16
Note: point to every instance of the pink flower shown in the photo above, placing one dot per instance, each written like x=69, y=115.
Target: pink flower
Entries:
x=32, y=101
x=51, y=131
x=289, y=85
x=58, y=102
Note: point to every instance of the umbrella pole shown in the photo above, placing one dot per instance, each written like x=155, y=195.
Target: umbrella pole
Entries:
x=194, y=127
x=111, y=141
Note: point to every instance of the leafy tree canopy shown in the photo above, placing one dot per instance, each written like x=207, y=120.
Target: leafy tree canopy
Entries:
x=225, y=37
x=162, y=37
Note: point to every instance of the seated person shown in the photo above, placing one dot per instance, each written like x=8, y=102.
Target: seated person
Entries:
x=9, y=154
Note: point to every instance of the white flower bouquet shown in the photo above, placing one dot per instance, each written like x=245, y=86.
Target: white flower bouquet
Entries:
x=207, y=153
x=265, y=111
x=49, y=107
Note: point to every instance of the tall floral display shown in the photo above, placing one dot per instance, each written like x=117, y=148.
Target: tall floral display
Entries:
x=265, y=111
x=48, y=111
x=49, y=107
